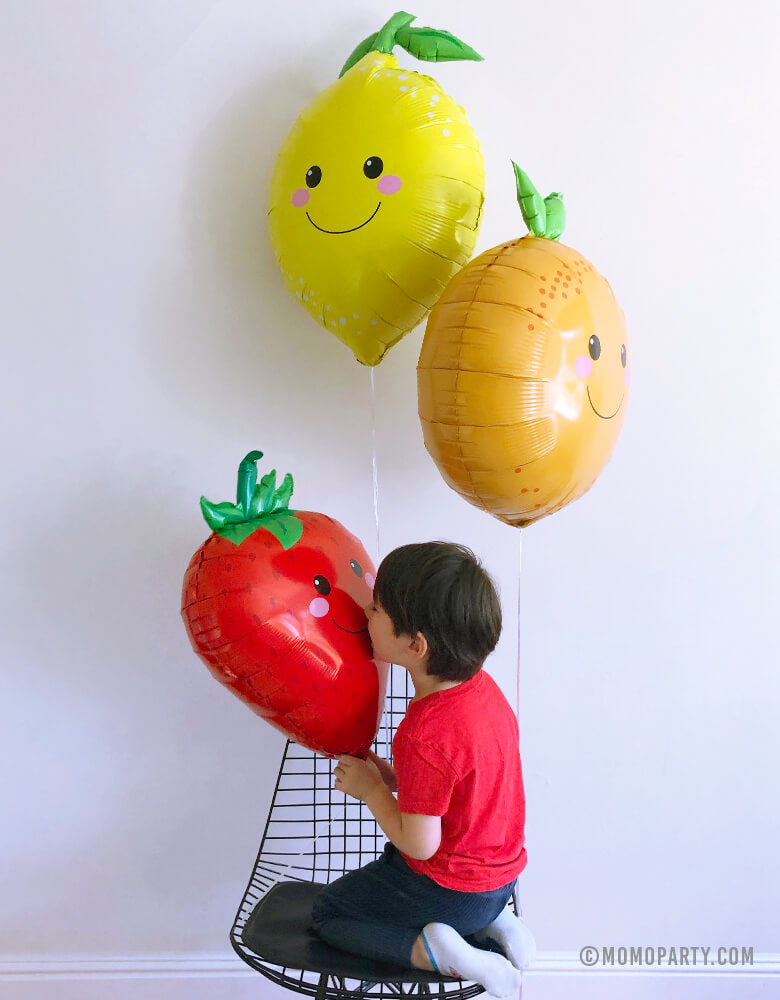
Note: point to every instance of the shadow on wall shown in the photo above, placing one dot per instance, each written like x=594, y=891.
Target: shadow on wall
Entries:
x=227, y=331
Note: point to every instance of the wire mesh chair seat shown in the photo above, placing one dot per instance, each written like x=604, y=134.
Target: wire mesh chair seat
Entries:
x=313, y=836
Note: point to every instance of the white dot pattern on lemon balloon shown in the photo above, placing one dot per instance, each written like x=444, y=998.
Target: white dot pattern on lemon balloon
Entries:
x=445, y=131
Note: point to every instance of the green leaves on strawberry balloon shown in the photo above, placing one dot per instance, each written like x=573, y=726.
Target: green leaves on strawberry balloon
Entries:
x=258, y=505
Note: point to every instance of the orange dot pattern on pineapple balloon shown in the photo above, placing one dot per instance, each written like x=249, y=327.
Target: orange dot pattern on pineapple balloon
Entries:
x=563, y=283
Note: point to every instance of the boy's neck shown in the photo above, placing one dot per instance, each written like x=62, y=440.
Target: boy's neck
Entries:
x=425, y=684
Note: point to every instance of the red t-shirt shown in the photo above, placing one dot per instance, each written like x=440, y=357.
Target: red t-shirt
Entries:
x=456, y=756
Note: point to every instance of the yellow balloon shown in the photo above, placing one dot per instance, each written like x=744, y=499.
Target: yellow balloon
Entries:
x=376, y=200
x=524, y=371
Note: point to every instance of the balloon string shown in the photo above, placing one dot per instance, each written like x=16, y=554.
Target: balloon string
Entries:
x=519, y=579
x=375, y=480
x=375, y=474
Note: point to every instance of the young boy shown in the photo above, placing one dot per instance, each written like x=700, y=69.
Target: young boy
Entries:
x=456, y=840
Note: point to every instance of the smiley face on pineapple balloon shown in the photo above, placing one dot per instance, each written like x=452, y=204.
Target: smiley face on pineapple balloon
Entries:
x=376, y=197
x=524, y=372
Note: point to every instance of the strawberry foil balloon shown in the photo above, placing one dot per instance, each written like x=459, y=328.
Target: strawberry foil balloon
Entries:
x=273, y=604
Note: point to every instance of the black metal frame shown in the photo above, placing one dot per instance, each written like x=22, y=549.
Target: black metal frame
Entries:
x=316, y=834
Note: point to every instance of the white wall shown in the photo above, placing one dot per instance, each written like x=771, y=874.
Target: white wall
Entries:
x=149, y=343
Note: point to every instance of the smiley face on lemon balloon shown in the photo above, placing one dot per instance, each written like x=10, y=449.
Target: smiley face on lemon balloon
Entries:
x=376, y=197
x=524, y=372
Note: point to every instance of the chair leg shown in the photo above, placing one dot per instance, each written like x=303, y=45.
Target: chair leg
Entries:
x=322, y=986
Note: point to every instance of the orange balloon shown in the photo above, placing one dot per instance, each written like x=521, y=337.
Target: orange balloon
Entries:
x=523, y=373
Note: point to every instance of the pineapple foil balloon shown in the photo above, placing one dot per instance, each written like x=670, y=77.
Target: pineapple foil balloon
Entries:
x=376, y=196
x=524, y=372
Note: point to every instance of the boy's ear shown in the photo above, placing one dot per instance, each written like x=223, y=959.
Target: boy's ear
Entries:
x=419, y=646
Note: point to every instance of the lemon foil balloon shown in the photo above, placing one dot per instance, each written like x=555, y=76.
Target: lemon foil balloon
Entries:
x=524, y=372
x=376, y=197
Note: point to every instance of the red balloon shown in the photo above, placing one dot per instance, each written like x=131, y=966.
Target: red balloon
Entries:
x=273, y=604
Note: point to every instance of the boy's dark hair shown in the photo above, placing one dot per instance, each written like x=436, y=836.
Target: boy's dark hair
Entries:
x=441, y=590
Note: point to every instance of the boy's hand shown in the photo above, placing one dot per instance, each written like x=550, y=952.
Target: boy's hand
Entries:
x=356, y=777
x=386, y=769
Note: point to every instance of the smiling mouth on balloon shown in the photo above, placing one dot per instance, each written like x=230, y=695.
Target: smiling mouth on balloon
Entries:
x=338, y=232
x=360, y=631
x=601, y=414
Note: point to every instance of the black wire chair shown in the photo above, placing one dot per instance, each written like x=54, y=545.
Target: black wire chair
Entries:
x=313, y=836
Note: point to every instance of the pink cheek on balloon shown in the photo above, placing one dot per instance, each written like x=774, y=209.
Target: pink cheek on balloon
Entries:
x=628, y=377
x=583, y=366
x=389, y=184
x=300, y=197
x=370, y=580
x=319, y=607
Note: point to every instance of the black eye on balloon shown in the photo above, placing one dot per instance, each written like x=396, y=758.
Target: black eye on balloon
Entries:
x=594, y=347
x=322, y=585
x=313, y=176
x=623, y=358
x=373, y=167
x=357, y=569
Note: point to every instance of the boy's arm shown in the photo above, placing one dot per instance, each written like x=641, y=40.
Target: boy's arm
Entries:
x=416, y=835
x=386, y=769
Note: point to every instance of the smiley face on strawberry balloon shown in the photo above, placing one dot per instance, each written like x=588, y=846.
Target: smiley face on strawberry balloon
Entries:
x=273, y=605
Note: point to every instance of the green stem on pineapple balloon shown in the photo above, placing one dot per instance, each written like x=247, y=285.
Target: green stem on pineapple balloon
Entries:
x=545, y=217
x=257, y=506
x=427, y=44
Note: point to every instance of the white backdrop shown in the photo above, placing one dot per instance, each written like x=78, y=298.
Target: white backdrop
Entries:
x=149, y=343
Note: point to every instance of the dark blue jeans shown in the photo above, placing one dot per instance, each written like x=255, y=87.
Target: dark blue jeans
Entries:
x=379, y=910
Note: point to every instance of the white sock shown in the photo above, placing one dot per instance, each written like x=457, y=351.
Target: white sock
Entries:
x=513, y=937
x=452, y=956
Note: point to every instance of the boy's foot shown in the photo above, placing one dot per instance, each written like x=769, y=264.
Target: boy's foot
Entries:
x=513, y=938
x=452, y=956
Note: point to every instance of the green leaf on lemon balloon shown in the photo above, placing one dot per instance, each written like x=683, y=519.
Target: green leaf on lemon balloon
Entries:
x=427, y=44
x=366, y=46
x=434, y=45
